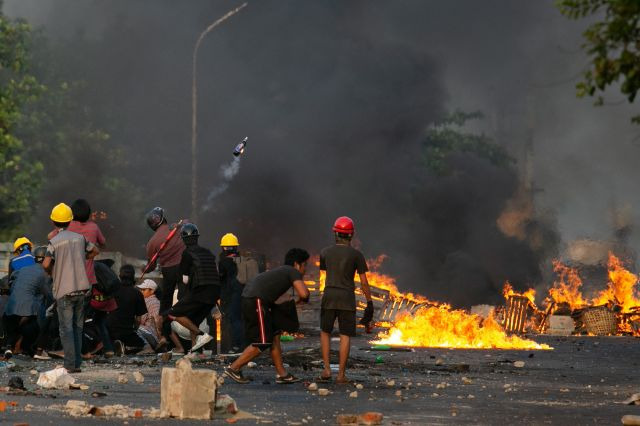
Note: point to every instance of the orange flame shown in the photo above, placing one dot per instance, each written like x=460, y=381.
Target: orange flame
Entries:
x=442, y=327
x=508, y=291
x=567, y=288
x=620, y=288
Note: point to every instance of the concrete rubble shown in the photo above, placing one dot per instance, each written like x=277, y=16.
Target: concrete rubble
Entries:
x=187, y=393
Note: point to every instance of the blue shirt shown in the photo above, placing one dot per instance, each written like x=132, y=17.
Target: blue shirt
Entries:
x=20, y=261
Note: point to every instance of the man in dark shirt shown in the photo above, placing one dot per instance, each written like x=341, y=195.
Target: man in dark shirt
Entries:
x=123, y=323
x=200, y=273
x=341, y=261
x=261, y=327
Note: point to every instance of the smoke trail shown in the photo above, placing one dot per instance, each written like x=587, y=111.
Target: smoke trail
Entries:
x=227, y=172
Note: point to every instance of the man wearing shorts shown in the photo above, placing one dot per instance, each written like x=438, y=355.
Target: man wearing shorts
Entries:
x=200, y=273
x=262, y=328
x=341, y=261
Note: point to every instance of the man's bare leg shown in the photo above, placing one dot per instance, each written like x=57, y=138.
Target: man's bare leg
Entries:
x=176, y=342
x=345, y=347
x=276, y=356
x=325, y=347
x=249, y=353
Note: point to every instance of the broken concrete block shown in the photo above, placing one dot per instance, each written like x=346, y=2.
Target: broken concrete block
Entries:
x=439, y=361
x=391, y=383
x=226, y=404
x=353, y=394
x=347, y=419
x=186, y=393
x=518, y=364
x=359, y=386
x=323, y=392
x=370, y=418
x=631, y=420
x=138, y=377
x=398, y=393
x=467, y=381
x=77, y=408
x=122, y=378
x=561, y=325
x=313, y=387
x=57, y=378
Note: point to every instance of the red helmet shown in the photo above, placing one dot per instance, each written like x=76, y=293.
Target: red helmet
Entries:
x=344, y=225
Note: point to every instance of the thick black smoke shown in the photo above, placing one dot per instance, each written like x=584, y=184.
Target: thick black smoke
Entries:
x=335, y=97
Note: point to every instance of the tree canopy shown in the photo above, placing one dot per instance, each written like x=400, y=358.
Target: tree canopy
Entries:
x=612, y=42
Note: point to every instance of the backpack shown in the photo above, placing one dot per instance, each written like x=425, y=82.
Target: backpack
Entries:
x=108, y=281
x=247, y=269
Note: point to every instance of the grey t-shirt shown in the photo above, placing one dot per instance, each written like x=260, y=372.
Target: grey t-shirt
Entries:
x=341, y=263
x=69, y=252
x=269, y=286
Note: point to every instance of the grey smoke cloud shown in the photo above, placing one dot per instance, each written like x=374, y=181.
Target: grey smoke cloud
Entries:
x=339, y=94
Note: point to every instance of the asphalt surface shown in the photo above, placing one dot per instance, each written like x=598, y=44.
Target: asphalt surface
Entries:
x=582, y=381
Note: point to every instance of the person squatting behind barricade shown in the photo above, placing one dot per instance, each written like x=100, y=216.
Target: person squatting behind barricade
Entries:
x=235, y=271
x=124, y=321
x=65, y=260
x=28, y=295
x=200, y=274
x=150, y=323
x=341, y=261
x=263, y=323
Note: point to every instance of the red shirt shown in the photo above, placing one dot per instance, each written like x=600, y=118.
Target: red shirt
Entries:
x=91, y=233
x=172, y=253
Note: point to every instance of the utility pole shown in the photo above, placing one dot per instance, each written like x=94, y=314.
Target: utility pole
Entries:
x=194, y=111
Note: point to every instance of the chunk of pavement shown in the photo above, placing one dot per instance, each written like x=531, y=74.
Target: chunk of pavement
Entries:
x=252, y=364
x=633, y=399
x=16, y=383
x=370, y=418
x=226, y=404
x=391, y=383
x=323, y=392
x=353, y=394
x=166, y=356
x=347, y=419
x=186, y=393
x=33, y=372
x=441, y=385
x=631, y=420
x=439, y=361
x=122, y=378
x=313, y=387
x=359, y=386
x=518, y=364
x=466, y=381
x=77, y=408
x=398, y=393
x=138, y=377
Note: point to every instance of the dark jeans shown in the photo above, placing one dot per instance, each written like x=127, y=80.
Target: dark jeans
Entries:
x=71, y=317
x=100, y=321
x=232, y=326
x=170, y=279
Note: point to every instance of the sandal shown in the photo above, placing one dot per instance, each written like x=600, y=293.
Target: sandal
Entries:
x=322, y=379
x=344, y=381
x=289, y=378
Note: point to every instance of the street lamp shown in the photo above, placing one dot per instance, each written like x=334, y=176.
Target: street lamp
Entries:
x=194, y=106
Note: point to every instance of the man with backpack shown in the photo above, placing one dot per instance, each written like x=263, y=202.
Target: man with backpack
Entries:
x=235, y=271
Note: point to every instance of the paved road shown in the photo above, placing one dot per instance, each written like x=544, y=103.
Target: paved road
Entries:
x=582, y=381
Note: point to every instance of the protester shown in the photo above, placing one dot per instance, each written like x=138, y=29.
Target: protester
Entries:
x=261, y=326
x=124, y=321
x=65, y=259
x=150, y=323
x=235, y=271
x=28, y=294
x=200, y=273
x=341, y=261
x=23, y=257
x=103, y=302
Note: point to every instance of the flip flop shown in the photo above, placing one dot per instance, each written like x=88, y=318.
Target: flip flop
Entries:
x=321, y=379
x=343, y=381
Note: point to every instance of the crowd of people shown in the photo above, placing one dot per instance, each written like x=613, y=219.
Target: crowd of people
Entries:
x=61, y=300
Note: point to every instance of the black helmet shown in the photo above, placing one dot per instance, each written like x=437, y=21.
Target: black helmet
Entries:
x=189, y=230
x=39, y=253
x=155, y=217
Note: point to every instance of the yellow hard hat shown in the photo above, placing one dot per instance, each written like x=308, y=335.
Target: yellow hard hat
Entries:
x=20, y=242
x=229, y=240
x=61, y=213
